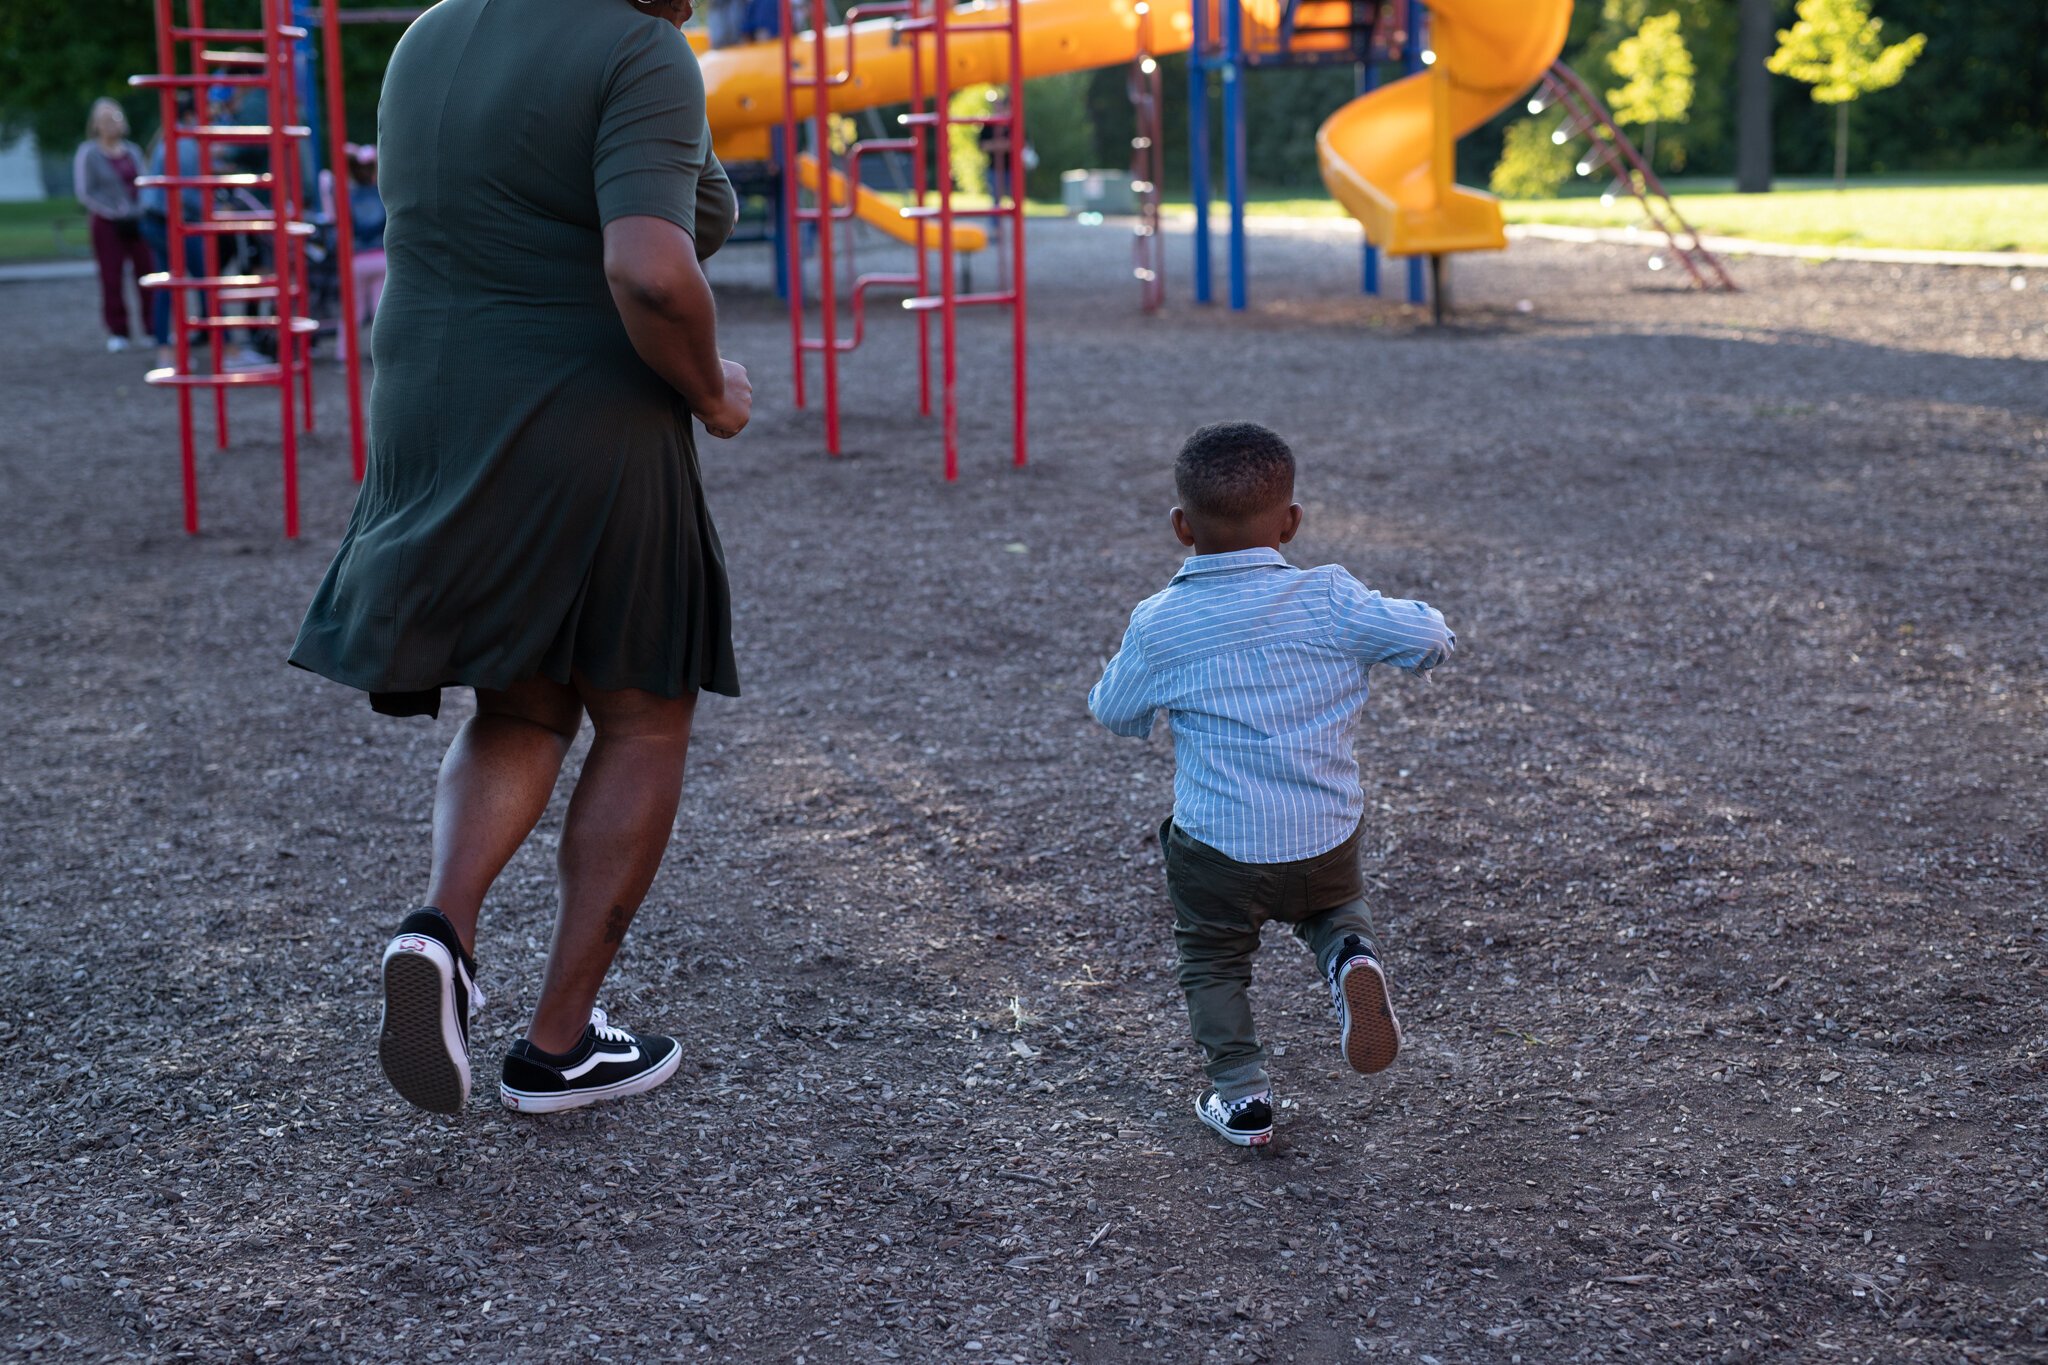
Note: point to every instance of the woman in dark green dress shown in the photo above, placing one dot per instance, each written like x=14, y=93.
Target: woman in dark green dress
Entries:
x=532, y=525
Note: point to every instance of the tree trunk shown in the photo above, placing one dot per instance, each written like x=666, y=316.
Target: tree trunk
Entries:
x=1753, y=99
x=1841, y=143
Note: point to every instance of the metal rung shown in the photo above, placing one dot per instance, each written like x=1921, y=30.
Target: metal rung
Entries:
x=239, y=180
x=234, y=379
x=952, y=121
x=221, y=226
x=930, y=211
x=929, y=302
x=919, y=25
x=245, y=132
x=193, y=82
x=236, y=35
x=266, y=321
x=216, y=57
x=163, y=279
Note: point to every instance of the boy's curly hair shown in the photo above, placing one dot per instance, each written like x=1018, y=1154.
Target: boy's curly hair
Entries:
x=1233, y=470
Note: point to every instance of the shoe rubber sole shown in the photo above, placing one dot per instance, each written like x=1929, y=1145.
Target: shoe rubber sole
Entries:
x=1256, y=1138
x=554, y=1101
x=420, y=1043
x=1372, y=1035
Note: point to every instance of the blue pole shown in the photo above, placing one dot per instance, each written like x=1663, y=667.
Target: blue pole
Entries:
x=1411, y=62
x=1198, y=145
x=781, y=230
x=1368, y=80
x=307, y=16
x=1233, y=142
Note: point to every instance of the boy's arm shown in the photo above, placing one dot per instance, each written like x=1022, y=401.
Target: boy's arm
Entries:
x=1391, y=630
x=1124, y=699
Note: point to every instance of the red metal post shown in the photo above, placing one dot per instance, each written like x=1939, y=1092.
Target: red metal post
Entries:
x=792, y=193
x=1017, y=457
x=942, y=106
x=828, y=286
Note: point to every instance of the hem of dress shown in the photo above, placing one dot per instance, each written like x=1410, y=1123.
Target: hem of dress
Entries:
x=416, y=697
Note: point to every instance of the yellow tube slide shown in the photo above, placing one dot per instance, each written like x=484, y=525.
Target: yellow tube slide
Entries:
x=1387, y=156
x=743, y=85
x=873, y=208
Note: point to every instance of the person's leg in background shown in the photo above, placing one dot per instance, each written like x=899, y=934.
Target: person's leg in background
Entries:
x=156, y=233
x=140, y=261
x=111, y=255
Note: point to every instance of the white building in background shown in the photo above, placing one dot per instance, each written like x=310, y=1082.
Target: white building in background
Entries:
x=21, y=170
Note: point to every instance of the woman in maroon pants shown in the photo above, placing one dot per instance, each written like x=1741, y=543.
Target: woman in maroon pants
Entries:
x=103, y=176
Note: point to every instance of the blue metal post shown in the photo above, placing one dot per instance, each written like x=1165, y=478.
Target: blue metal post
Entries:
x=1411, y=62
x=1368, y=80
x=781, y=231
x=1198, y=144
x=1233, y=142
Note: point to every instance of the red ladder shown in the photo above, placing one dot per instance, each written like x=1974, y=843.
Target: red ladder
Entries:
x=1148, y=166
x=194, y=57
x=1586, y=116
x=929, y=122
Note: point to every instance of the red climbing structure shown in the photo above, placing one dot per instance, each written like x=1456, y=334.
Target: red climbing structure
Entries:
x=927, y=27
x=1148, y=166
x=264, y=207
x=1586, y=116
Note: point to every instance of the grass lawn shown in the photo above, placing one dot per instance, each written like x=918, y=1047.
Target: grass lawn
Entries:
x=1980, y=213
x=28, y=231
x=1947, y=214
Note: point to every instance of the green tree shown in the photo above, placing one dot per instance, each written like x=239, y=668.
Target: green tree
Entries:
x=1657, y=74
x=1836, y=48
x=1533, y=163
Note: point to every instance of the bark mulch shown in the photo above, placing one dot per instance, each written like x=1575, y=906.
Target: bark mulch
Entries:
x=1710, y=872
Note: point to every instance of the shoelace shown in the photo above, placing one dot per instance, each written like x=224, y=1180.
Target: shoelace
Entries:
x=601, y=1023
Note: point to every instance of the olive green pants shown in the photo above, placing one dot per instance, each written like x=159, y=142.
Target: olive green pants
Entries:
x=1219, y=906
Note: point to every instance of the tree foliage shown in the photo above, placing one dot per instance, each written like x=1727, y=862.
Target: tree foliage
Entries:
x=1656, y=71
x=1837, y=48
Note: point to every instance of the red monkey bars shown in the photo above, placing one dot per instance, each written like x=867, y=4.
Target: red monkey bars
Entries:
x=928, y=27
x=257, y=58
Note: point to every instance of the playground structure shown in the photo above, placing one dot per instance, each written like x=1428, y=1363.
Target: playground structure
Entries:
x=1387, y=156
x=194, y=57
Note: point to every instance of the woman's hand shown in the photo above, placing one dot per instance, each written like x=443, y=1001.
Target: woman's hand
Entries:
x=727, y=417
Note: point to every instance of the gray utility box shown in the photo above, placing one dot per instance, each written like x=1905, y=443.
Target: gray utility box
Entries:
x=1097, y=192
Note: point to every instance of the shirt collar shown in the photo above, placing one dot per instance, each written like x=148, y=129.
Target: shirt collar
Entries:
x=1260, y=558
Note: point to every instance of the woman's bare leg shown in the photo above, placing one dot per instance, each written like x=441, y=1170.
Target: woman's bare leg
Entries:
x=494, y=787
x=618, y=828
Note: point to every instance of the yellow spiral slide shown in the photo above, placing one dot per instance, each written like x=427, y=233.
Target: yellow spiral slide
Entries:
x=1386, y=156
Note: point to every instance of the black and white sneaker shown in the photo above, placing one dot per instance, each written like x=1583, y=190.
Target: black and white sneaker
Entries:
x=1369, y=1035
x=1247, y=1121
x=429, y=993
x=607, y=1063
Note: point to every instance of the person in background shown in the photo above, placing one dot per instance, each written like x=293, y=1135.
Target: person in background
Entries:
x=103, y=177
x=366, y=218
x=156, y=227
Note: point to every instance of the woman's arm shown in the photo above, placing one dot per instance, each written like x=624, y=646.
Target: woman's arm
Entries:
x=717, y=209
x=665, y=302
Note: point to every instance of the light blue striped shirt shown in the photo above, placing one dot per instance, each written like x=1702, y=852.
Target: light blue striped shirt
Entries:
x=1261, y=669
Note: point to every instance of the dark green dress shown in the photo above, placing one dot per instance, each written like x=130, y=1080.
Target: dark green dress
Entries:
x=532, y=506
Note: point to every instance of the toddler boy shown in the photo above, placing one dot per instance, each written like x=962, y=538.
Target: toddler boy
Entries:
x=1261, y=669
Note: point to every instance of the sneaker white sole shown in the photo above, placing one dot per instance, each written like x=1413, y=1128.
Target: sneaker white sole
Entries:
x=1372, y=1035
x=554, y=1101
x=419, y=1043
x=1257, y=1138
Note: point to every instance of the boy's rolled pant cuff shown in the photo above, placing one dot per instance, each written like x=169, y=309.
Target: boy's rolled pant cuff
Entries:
x=1235, y=1080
